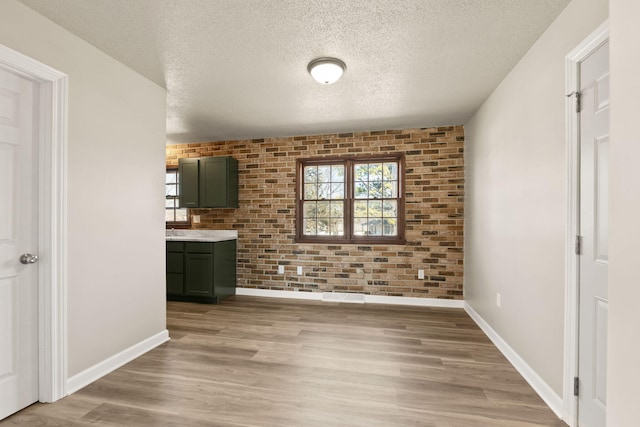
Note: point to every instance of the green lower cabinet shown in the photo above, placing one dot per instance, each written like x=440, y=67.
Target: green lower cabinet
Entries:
x=199, y=278
x=175, y=268
x=224, y=267
x=201, y=271
x=175, y=284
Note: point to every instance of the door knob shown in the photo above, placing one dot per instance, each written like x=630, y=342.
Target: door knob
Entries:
x=28, y=259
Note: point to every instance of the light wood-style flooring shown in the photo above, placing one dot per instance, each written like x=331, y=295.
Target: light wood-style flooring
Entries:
x=271, y=362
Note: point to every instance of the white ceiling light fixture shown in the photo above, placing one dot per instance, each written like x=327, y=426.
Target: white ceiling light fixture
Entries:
x=326, y=70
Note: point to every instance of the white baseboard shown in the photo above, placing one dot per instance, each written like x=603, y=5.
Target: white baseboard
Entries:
x=269, y=293
x=371, y=299
x=101, y=369
x=420, y=302
x=351, y=298
x=543, y=389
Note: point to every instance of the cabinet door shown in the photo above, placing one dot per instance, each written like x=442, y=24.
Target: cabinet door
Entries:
x=213, y=182
x=189, y=183
x=199, y=274
x=175, y=284
x=225, y=268
x=175, y=262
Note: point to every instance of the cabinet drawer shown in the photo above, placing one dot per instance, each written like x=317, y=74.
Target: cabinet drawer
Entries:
x=199, y=247
x=175, y=246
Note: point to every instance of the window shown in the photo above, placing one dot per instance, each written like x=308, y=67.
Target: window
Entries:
x=350, y=200
x=174, y=215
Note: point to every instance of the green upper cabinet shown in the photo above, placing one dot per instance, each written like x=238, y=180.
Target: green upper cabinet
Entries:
x=188, y=178
x=218, y=182
x=208, y=182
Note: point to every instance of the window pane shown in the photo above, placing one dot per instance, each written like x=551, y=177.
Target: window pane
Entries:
x=324, y=191
x=360, y=190
x=310, y=191
x=375, y=227
x=390, y=208
x=337, y=190
x=337, y=210
x=360, y=209
x=375, y=209
x=171, y=190
x=172, y=178
x=168, y=215
x=310, y=174
x=310, y=227
x=360, y=226
x=324, y=173
x=337, y=173
x=181, y=214
x=390, y=189
x=310, y=210
x=390, y=172
x=323, y=226
x=337, y=227
x=170, y=203
x=361, y=172
x=390, y=227
x=323, y=209
x=375, y=189
x=375, y=172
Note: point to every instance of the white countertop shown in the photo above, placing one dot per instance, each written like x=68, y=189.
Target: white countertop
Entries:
x=202, y=235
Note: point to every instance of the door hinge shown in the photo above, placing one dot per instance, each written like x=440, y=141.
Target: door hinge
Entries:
x=578, y=245
x=576, y=386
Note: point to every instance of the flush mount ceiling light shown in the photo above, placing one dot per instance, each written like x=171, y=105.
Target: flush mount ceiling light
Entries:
x=326, y=70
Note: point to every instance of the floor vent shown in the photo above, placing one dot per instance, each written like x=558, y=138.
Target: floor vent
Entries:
x=343, y=297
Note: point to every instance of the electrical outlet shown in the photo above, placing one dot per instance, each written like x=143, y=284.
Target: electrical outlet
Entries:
x=299, y=271
x=281, y=269
x=196, y=219
x=498, y=299
x=420, y=274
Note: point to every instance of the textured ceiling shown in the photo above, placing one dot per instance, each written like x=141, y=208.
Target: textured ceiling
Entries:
x=237, y=69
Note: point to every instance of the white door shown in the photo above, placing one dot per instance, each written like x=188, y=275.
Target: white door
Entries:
x=594, y=228
x=18, y=236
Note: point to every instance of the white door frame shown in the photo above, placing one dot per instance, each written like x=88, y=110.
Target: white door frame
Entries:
x=52, y=220
x=571, y=296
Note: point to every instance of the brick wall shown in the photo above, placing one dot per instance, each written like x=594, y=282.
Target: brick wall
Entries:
x=434, y=190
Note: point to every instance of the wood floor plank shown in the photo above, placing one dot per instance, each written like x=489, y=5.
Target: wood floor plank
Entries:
x=266, y=362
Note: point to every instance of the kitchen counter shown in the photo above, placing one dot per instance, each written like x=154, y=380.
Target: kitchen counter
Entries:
x=201, y=235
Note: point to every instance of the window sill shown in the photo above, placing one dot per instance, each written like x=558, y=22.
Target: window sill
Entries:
x=355, y=241
x=178, y=225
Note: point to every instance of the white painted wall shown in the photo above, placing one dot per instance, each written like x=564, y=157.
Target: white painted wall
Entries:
x=624, y=281
x=516, y=202
x=116, y=151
